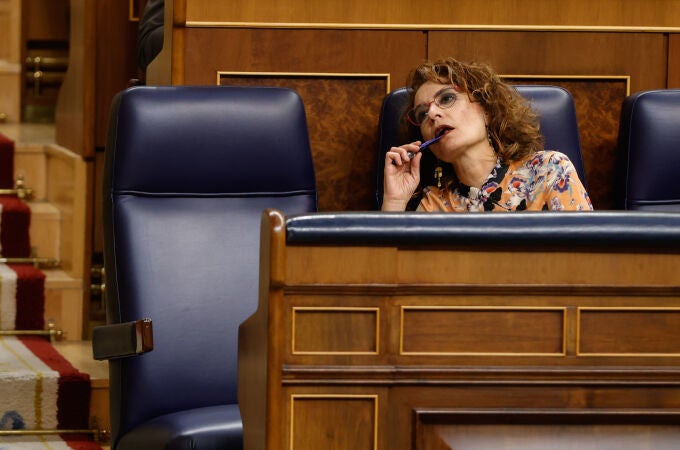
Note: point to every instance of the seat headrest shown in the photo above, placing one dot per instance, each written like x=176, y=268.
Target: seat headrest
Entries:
x=234, y=138
x=649, y=141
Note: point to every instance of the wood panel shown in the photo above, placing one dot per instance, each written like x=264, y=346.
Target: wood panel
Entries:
x=650, y=13
x=306, y=51
x=74, y=115
x=10, y=23
x=116, y=64
x=467, y=358
x=322, y=413
x=481, y=330
x=324, y=330
x=641, y=56
x=10, y=56
x=674, y=61
x=97, y=70
x=629, y=331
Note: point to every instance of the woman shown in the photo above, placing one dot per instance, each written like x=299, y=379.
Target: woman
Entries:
x=490, y=154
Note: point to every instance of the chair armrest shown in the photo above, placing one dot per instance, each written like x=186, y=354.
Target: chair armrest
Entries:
x=121, y=340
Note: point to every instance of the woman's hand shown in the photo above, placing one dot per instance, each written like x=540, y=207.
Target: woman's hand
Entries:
x=401, y=177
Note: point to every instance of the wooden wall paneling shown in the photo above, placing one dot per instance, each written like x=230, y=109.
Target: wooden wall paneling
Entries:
x=74, y=115
x=10, y=57
x=673, y=61
x=342, y=77
x=462, y=356
x=47, y=20
x=650, y=13
x=10, y=23
x=116, y=62
x=102, y=59
x=641, y=57
x=307, y=51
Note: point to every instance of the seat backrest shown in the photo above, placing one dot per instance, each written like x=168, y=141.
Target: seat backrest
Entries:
x=554, y=104
x=649, y=147
x=188, y=173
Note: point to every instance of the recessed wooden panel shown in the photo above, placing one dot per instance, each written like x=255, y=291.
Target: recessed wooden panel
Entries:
x=630, y=331
x=338, y=422
x=483, y=330
x=335, y=330
x=341, y=111
x=674, y=61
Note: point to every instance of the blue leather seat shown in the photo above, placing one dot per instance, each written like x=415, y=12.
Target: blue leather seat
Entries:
x=649, y=145
x=188, y=172
x=554, y=104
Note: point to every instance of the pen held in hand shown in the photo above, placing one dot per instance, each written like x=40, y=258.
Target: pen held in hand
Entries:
x=423, y=146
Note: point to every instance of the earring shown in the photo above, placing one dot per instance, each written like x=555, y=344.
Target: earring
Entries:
x=438, y=174
x=488, y=136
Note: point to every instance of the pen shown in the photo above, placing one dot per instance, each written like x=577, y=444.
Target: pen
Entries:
x=423, y=146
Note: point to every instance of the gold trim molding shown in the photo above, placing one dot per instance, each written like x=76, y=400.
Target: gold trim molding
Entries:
x=429, y=27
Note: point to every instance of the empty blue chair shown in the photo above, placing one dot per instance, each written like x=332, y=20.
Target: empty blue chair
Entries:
x=649, y=147
x=188, y=172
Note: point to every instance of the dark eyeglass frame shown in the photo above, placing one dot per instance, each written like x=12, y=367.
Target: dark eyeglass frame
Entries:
x=412, y=114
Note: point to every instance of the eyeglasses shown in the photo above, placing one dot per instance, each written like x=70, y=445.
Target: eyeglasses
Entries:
x=443, y=99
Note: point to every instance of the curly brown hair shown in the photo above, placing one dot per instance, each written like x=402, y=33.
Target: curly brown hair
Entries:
x=513, y=125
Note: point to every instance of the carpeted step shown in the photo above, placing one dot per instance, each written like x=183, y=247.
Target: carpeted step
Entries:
x=39, y=388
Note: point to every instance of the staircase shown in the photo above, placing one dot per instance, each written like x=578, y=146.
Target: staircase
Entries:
x=59, y=220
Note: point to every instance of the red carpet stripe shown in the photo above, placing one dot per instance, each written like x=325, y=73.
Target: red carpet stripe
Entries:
x=15, y=222
x=30, y=297
x=6, y=162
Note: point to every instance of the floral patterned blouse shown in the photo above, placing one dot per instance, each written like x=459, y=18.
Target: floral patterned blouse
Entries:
x=546, y=180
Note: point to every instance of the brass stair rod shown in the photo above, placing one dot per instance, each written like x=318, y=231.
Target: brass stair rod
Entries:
x=46, y=263
x=51, y=331
x=98, y=434
x=20, y=189
x=31, y=333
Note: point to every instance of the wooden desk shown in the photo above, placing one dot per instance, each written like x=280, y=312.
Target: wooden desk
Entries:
x=494, y=339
